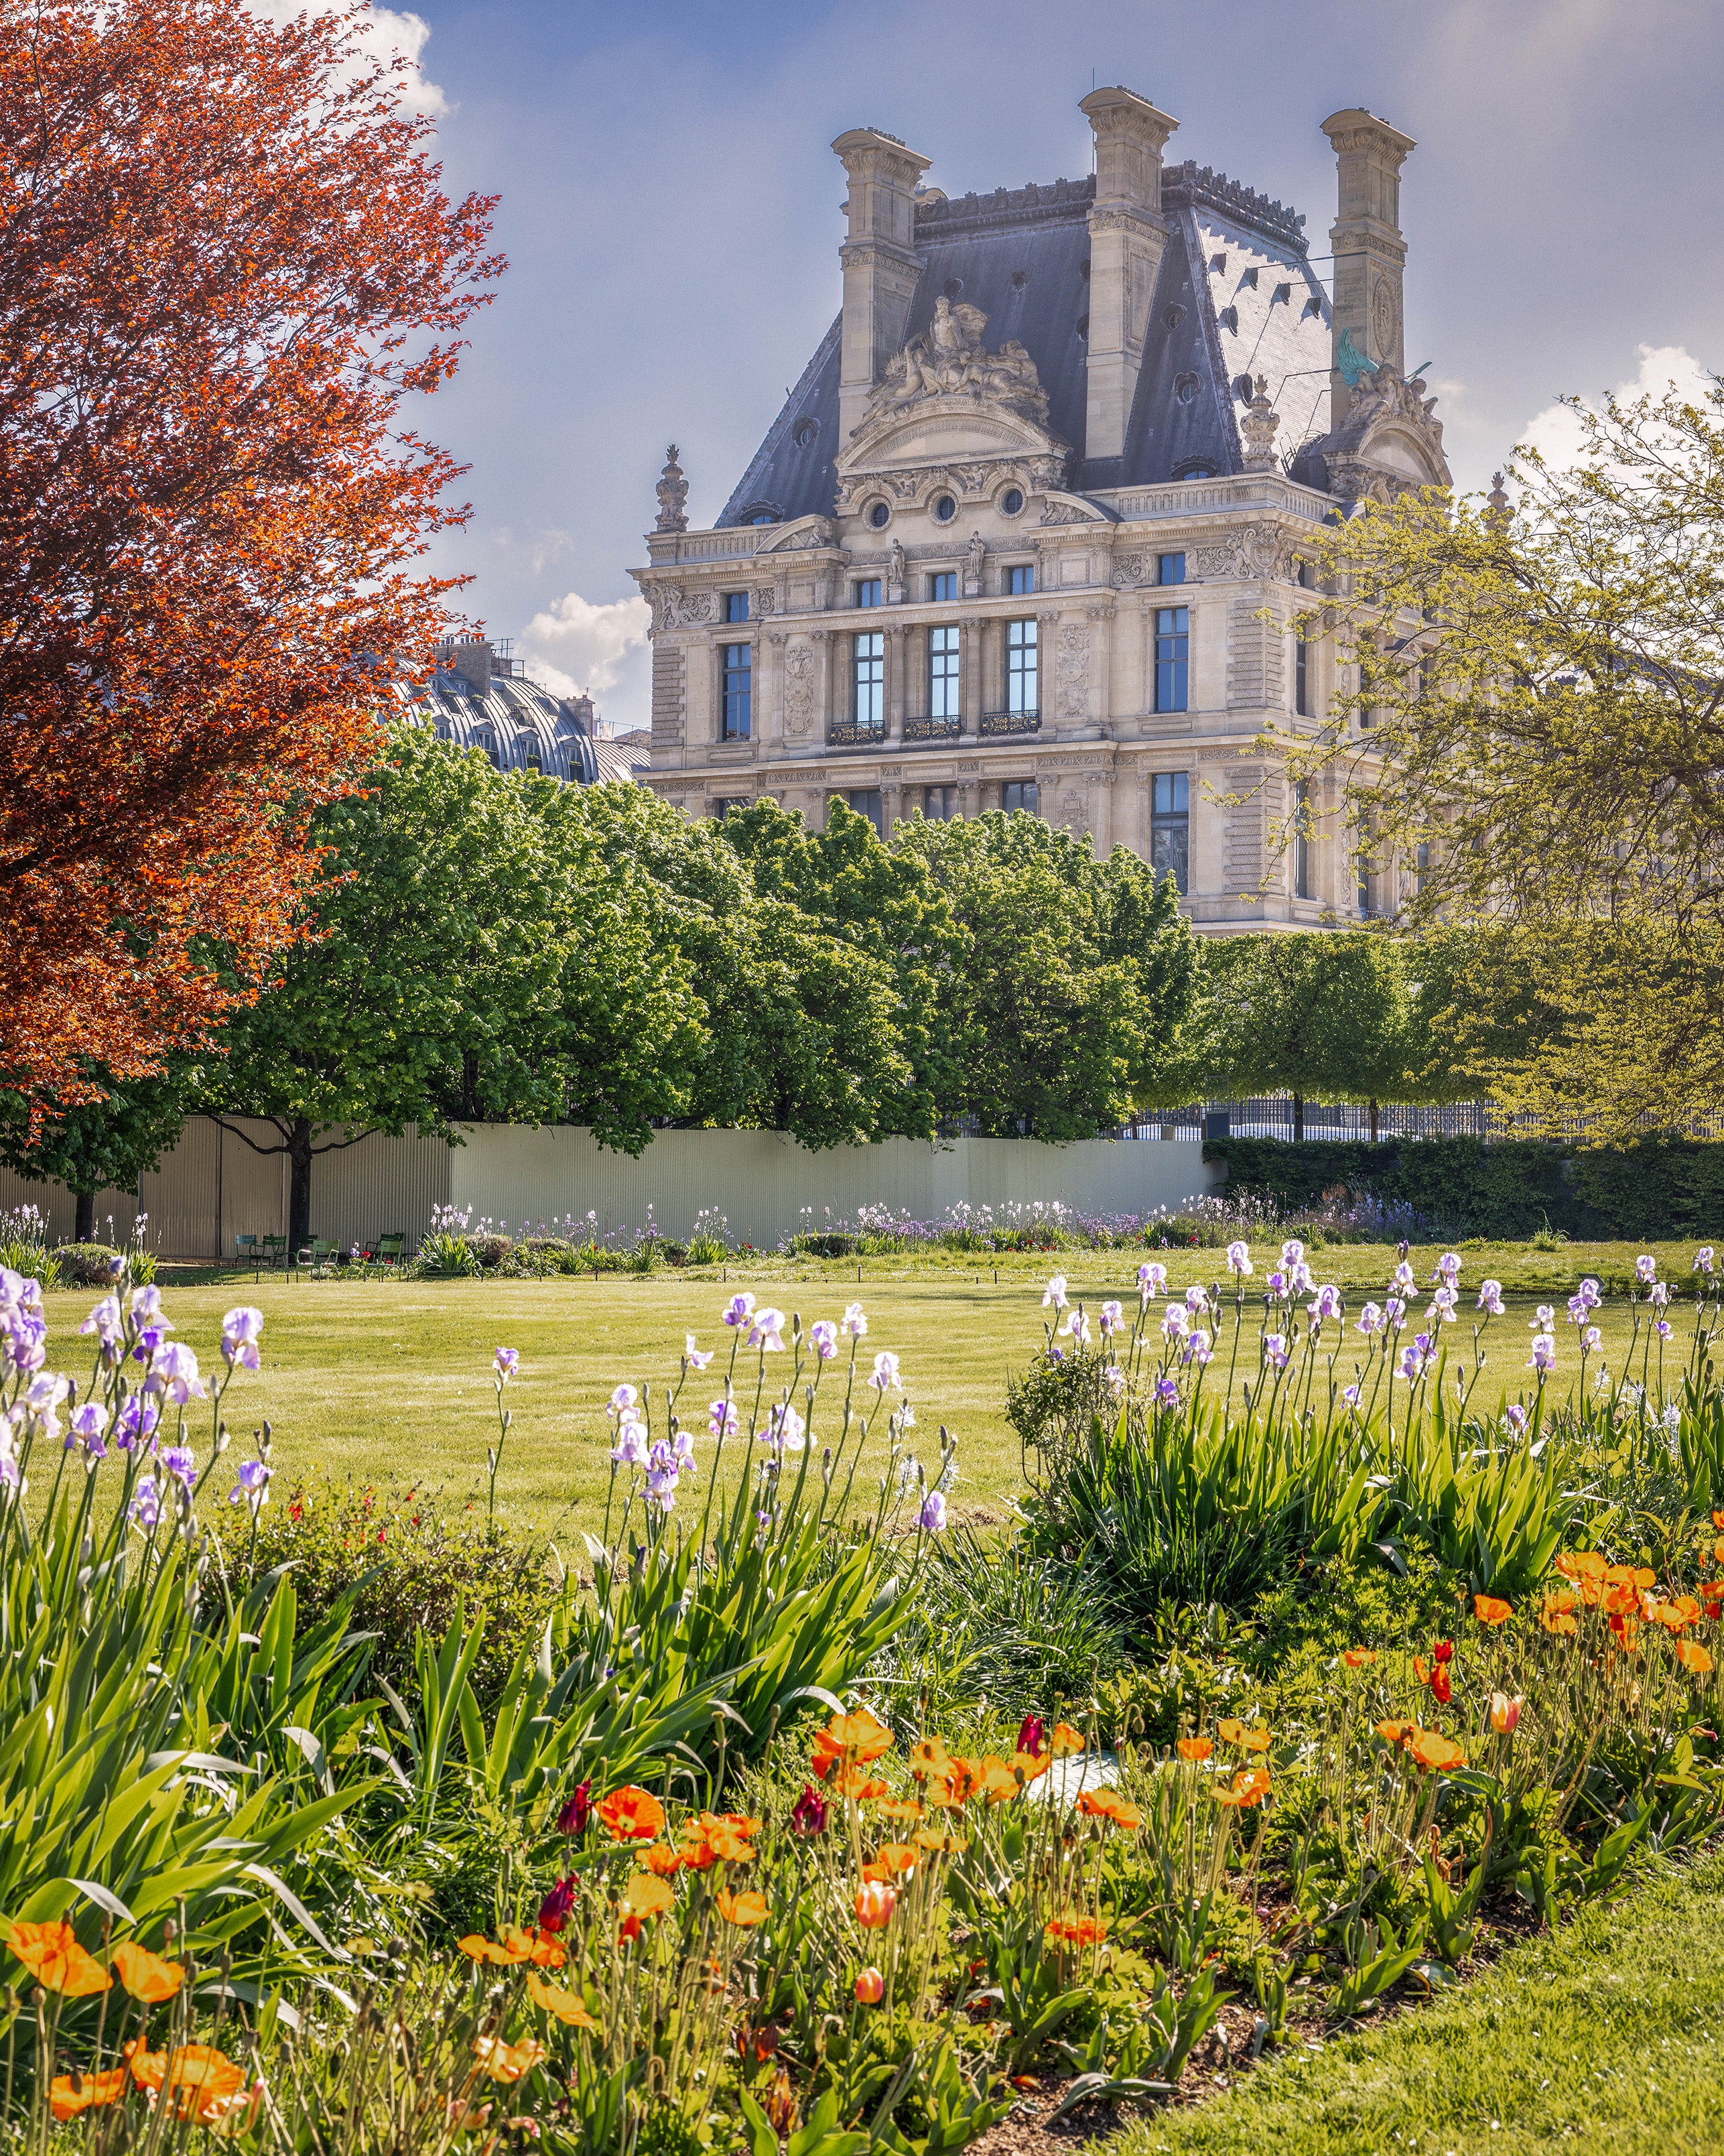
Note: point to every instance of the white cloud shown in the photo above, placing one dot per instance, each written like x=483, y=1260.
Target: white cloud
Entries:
x=576, y=645
x=383, y=32
x=1557, y=433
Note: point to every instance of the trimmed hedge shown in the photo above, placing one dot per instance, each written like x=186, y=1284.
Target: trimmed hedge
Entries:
x=1461, y=1186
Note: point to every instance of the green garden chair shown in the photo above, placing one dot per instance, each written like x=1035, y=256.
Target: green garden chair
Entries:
x=391, y=1252
x=275, y=1251
x=245, y=1248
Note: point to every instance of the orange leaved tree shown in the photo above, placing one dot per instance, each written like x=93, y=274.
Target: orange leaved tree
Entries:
x=227, y=265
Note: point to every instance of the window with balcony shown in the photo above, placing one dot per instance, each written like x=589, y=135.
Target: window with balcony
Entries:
x=868, y=706
x=736, y=606
x=1170, y=568
x=866, y=800
x=944, y=586
x=1023, y=690
x=1020, y=580
x=1172, y=659
x=1170, y=826
x=736, y=664
x=940, y=803
x=943, y=674
x=868, y=592
x=1019, y=794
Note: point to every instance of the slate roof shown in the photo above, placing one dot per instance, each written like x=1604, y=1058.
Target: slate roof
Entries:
x=511, y=721
x=1022, y=255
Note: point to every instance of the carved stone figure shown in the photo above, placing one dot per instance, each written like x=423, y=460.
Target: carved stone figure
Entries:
x=673, y=491
x=975, y=556
x=949, y=359
x=681, y=609
x=897, y=574
x=1072, y=670
x=798, y=689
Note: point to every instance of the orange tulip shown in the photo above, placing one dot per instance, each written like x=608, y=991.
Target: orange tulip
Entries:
x=1430, y=1749
x=1195, y=1750
x=1490, y=1611
x=1693, y=1657
x=631, y=1814
x=145, y=1975
x=745, y=1910
x=53, y=1956
x=644, y=1895
x=1358, y=1658
x=507, y=2062
x=875, y=1903
x=568, y=2006
x=870, y=1988
x=1506, y=1713
x=1066, y=1739
x=70, y=2094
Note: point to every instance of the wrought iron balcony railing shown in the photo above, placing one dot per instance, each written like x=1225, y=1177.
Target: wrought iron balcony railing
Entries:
x=933, y=730
x=1010, y=722
x=856, y=733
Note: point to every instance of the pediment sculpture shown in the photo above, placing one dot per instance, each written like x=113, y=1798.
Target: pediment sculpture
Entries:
x=1388, y=442
x=949, y=359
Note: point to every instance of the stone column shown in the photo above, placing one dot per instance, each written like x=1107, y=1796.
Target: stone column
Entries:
x=969, y=674
x=895, y=643
x=824, y=659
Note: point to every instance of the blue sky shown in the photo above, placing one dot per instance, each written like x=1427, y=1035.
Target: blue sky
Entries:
x=670, y=208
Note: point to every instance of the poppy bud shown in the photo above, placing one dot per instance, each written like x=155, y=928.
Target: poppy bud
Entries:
x=575, y=1814
x=870, y=1988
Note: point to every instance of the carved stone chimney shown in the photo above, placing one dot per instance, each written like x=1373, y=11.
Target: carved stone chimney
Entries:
x=1127, y=234
x=880, y=261
x=1370, y=254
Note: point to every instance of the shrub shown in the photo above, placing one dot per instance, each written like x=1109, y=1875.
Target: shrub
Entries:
x=88, y=1265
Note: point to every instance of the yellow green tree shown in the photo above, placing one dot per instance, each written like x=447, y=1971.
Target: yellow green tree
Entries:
x=1528, y=737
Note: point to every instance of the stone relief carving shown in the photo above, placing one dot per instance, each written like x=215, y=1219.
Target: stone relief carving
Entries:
x=678, y=609
x=1383, y=317
x=950, y=359
x=1071, y=669
x=1068, y=512
x=799, y=686
x=1217, y=560
x=765, y=601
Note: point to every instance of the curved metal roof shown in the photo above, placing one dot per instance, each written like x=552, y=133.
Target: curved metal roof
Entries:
x=516, y=723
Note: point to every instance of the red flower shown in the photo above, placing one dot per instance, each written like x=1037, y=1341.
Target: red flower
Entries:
x=1029, y=1736
x=808, y=1816
x=1444, y=1651
x=1441, y=1688
x=575, y=1814
x=554, y=1909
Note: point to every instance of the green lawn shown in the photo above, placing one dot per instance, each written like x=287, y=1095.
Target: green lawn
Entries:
x=1603, y=2038
x=390, y=1380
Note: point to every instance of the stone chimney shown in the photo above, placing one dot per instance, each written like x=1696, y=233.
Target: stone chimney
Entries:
x=1127, y=234
x=879, y=260
x=470, y=657
x=1370, y=254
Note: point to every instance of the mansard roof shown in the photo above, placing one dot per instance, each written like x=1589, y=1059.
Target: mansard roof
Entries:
x=1235, y=297
x=517, y=724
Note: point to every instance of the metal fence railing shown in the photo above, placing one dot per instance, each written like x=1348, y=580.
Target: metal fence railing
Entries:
x=1271, y=1116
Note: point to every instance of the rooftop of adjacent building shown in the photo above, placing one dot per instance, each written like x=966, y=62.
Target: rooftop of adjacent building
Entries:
x=481, y=696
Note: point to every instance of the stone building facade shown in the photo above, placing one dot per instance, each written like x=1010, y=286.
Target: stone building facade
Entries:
x=1027, y=532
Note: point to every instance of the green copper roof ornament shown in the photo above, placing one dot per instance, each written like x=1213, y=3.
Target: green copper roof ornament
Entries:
x=1350, y=361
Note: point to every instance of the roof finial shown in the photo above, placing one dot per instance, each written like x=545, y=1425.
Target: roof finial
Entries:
x=1258, y=426
x=673, y=495
x=1496, y=502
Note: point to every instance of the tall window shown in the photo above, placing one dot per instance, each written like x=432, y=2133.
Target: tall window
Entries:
x=1019, y=794
x=1173, y=655
x=1364, y=883
x=1020, y=580
x=736, y=606
x=721, y=808
x=1301, y=679
x=870, y=695
x=1301, y=843
x=868, y=592
x=1170, y=826
x=940, y=803
x=738, y=691
x=1368, y=684
x=1170, y=568
x=1424, y=865
x=944, y=586
x=1022, y=693
x=866, y=802
x=942, y=673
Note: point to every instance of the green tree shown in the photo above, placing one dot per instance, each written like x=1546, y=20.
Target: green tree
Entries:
x=1319, y=1014
x=105, y=1144
x=1076, y=995
x=1549, y=704
x=477, y=957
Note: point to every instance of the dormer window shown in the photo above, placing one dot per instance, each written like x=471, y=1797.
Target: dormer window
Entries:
x=1218, y=265
x=1247, y=280
x=1230, y=319
x=1313, y=306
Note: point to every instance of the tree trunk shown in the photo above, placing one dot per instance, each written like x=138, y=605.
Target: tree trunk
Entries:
x=1299, y=1119
x=1374, y=1119
x=85, y=1231
x=299, y=1203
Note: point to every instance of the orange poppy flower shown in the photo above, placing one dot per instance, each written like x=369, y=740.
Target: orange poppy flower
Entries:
x=644, y=1895
x=477, y=1948
x=507, y=2062
x=697, y=1856
x=956, y=1784
x=875, y=1903
x=900, y=1808
x=149, y=2069
x=199, y=2081
x=568, y=2006
x=68, y=2095
x=931, y=1837
x=1558, y=1612
x=1491, y=1610
x=1230, y=1732
x=543, y=1948
x=1392, y=1732
x=629, y=1928
x=1627, y=1629
x=631, y=1814
x=1066, y=1739
x=1693, y=1657
x=145, y=1975
x=823, y=1756
x=744, y=1910
x=1074, y=1931
x=928, y=1755
x=1257, y=1740
x=1581, y=1565
x=856, y=1736
x=1109, y=1805
x=1359, y=1658
x=1431, y=1749
x=663, y=1862
x=1195, y=1750
x=1250, y=1785
x=996, y=1780
x=725, y=1843
x=53, y=1956
x=857, y=1783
